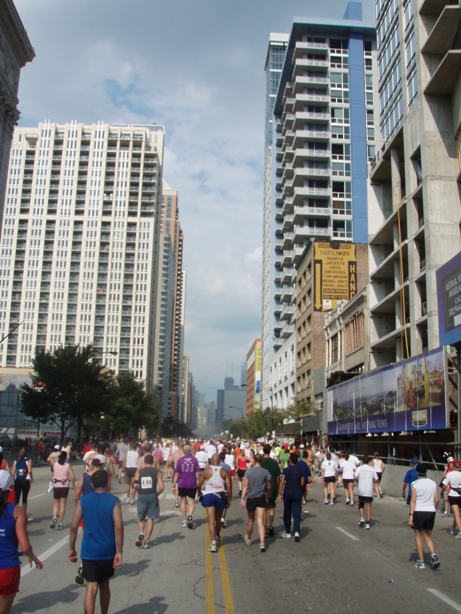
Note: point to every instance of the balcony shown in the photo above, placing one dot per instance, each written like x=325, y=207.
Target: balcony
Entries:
x=446, y=76
x=442, y=35
x=301, y=213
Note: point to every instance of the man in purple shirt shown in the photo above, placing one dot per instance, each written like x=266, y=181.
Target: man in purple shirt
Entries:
x=186, y=474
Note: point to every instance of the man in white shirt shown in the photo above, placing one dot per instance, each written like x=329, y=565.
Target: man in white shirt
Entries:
x=366, y=477
x=424, y=501
x=210, y=450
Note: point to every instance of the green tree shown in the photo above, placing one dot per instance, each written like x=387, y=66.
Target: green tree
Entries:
x=171, y=427
x=264, y=421
x=129, y=408
x=68, y=385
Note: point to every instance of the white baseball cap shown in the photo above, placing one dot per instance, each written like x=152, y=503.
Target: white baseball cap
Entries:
x=6, y=481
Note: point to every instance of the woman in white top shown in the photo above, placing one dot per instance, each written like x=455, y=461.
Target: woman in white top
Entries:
x=130, y=465
x=452, y=484
x=329, y=476
x=379, y=467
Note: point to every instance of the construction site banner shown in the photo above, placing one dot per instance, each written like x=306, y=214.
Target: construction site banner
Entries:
x=408, y=396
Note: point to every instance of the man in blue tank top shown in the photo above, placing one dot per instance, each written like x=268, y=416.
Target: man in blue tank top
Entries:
x=102, y=543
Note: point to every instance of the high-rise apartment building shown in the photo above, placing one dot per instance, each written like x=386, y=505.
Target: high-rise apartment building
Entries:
x=80, y=243
x=273, y=69
x=416, y=173
x=324, y=137
x=172, y=266
x=16, y=52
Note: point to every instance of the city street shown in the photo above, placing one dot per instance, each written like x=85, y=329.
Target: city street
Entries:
x=337, y=566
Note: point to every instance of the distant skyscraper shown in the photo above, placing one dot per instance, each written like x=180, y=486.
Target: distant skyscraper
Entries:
x=80, y=243
x=324, y=137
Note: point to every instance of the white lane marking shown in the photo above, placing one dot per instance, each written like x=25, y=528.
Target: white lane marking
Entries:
x=37, y=496
x=25, y=567
x=348, y=534
x=447, y=600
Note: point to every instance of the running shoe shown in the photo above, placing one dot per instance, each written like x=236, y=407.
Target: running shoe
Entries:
x=262, y=547
x=361, y=522
x=271, y=531
x=78, y=577
x=420, y=564
x=60, y=527
x=147, y=544
x=351, y=503
x=190, y=522
x=184, y=523
x=53, y=522
x=452, y=530
x=435, y=563
x=139, y=540
x=287, y=535
x=347, y=501
x=247, y=540
x=213, y=547
x=325, y=501
x=176, y=504
x=223, y=523
x=297, y=538
x=458, y=536
x=367, y=526
x=332, y=502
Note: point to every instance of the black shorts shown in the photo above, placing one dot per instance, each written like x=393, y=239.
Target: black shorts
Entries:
x=130, y=472
x=254, y=502
x=330, y=479
x=97, y=571
x=347, y=481
x=21, y=487
x=363, y=500
x=454, y=500
x=379, y=474
x=187, y=492
x=241, y=473
x=60, y=493
x=423, y=521
x=271, y=501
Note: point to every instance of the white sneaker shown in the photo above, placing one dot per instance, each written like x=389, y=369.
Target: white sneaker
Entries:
x=351, y=503
x=247, y=540
x=296, y=537
x=361, y=522
x=213, y=547
x=332, y=502
x=326, y=502
x=367, y=526
x=286, y=535
x=184, y=523
x=347, y=501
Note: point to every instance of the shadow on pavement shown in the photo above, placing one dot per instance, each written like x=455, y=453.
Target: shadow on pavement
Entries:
x=132, y=569
x=46, y=599
x=153, y=606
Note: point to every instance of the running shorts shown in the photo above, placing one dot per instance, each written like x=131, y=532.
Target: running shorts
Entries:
x=187, y=492
x=329, y=479
x=213, y=500
x=454, y=500
x=241, y=473
x=423, y=521
x=379, y=474
x=60, y=493
x=254, y=502
x=363, y=500
x=130, y=472
x=97, y=571
x=9, y=580
x=148, y=507
x=347, y=481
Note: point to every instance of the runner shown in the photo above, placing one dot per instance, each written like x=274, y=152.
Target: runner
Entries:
x=256, y=483
x=166, y=463
x=13, y=531
x=186, y=474
x=291, y=494
x=452, y=484
x=274, y=469
x=102, y=543
x=424, y=501
x=129, y=467
x=410, y=477
x=379, y=467
x=23, y=477
x=366, y=476
x=149, y=483
x=173, y=459
x=214, y=497
x=329, y=476
x=348, y=467
x=122, y=449
x=227, y=467
x=242, y=465
x=62, y=475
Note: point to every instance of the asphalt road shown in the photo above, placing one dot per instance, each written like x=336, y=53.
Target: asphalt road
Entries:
x=336, y=567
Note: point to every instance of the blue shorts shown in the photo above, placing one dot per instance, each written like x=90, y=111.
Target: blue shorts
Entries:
x=213, y=500
x=148, y=507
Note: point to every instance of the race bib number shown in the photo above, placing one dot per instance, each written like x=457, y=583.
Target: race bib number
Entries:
x=146, y=482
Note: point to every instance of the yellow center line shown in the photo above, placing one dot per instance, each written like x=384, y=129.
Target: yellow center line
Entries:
x=226, y=585
x=209, y=576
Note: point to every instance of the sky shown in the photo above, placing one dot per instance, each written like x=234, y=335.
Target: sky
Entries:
x=197, y=68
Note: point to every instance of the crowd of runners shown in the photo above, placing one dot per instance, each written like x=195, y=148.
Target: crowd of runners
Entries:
x=201, y=473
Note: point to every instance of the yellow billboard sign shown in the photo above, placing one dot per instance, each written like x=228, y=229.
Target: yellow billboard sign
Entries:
x=335, y=274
